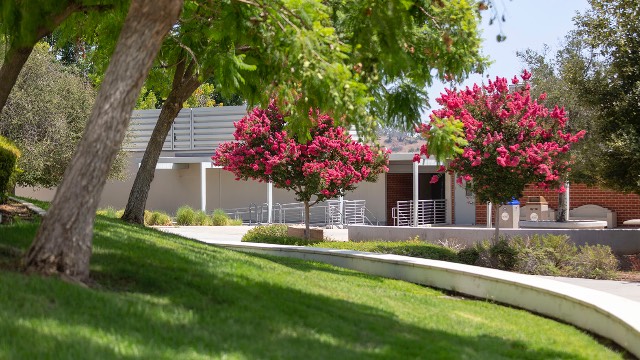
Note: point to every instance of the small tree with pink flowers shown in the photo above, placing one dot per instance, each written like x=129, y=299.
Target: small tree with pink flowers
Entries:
x=327, y=166
x=498, y=141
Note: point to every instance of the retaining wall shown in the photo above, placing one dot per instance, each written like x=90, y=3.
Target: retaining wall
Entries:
x=607, y=315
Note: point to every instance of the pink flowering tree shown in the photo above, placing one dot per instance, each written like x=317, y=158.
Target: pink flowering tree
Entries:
x=498, y=141
x=327, y=166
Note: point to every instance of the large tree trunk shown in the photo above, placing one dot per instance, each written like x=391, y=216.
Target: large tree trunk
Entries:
x=11, y=67
x=307, y=230
x=496, y=235
x=185, y=82
x=563, y=212
x=63, y=242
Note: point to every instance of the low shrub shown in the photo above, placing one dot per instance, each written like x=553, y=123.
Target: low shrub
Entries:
x=147, y=217
x=504, y=255
x=545, y=255
x=500, y=255
x=220, y=218
x=185, y=215
x=271, y=234
x=158, y=218
x=201, y=219
x=595, y=262
x=413, y=248
x=277, y=234
x=553, y=255
x=107, y=212
x=469, y=255
x=9, y=171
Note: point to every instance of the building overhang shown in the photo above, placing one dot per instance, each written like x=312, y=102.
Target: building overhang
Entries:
x=401, y=157
x=181, y=162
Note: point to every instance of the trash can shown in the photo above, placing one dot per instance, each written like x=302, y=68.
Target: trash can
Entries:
x=537, y=208
x=509, y=214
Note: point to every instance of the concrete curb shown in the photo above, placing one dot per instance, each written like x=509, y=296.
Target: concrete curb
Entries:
x=30, y=206
x=607, y=315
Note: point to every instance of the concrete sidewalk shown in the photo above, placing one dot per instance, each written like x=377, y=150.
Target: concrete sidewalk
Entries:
x=231, y=234
x=626, y=289
x=226, y=234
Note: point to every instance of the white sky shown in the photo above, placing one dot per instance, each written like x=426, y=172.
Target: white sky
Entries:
x=529, y=24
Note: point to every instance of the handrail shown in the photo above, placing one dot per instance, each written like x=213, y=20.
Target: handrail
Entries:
x=374, y=217
x=328, y=213
x=429, y=212
x=252, y=205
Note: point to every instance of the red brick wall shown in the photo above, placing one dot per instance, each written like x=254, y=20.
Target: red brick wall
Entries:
x=399, y=187
x=626, y=206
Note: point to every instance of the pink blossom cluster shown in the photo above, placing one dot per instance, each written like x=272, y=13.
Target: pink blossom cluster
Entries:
x=513, y=140
x=328, y=165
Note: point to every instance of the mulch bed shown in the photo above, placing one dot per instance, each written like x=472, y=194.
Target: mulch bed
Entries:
x=631, y=276
x=13, y=211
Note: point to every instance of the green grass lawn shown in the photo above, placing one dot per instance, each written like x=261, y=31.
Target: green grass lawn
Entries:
x=162, y=296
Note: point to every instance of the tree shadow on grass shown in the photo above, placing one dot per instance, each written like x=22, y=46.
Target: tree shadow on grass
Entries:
x=258, y=320
x=311, y=265
x=158, y=300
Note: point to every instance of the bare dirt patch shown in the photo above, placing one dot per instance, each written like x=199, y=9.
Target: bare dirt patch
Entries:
x=13, y=211
x=631, y=276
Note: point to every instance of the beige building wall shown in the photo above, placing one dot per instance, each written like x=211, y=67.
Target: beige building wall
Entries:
x=173, y=188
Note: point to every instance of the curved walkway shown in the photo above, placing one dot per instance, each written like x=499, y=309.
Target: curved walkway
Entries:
x=233, y=234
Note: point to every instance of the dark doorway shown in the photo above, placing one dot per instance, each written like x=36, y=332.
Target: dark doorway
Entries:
x=428, y=191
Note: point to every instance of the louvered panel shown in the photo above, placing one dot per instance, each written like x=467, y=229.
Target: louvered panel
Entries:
x=199, y=128
x=140, y=128
x=213, y=126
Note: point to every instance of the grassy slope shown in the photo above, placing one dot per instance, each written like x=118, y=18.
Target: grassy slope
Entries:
x=161, y=296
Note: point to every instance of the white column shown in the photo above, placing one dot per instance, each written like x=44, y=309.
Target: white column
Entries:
x=270, y=202
x=415, y=193
x=203, y=186
x=489, y=218
x=341, y=210
x=447, y=198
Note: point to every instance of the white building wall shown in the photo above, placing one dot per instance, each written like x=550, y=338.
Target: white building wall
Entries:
x=173, y=188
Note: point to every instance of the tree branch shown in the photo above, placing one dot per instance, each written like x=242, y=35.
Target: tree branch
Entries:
x=59, y=18
x=178, y=76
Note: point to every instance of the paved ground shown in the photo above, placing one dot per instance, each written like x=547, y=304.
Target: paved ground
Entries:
x=627, y=289
x=227, y=234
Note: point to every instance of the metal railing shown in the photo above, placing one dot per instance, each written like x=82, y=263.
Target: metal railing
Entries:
x=248, y=214
x=328, y=213
x=429, y=212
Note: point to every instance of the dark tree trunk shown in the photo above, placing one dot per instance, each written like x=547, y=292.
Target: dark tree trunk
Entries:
x=307, y=230
x=562, y=207
x=11, y=67
x=185, y=82
x=63, y=243
x=496, y=235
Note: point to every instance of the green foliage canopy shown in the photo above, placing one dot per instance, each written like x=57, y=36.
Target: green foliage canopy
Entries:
x=45, y=116
x=9, y=155
x=365, y=62
x=600, y=63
